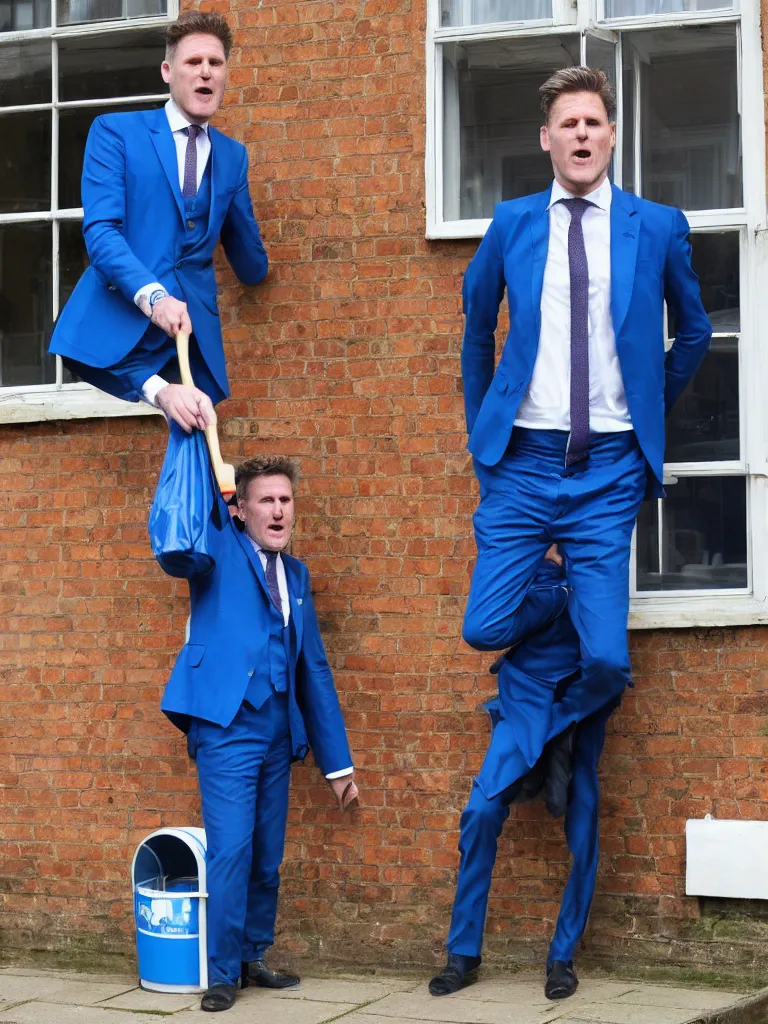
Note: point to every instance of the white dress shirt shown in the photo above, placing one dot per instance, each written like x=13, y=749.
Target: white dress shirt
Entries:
x=282, y=586
x=178, y=123
x=547, y=403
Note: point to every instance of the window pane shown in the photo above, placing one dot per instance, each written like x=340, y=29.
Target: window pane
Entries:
x=73, y=131
x=25, y=73
x=696, y=538
x=70, y=12
x=691, y=145
x=492, y=120
x=25, y=162
x=633, y=8
x=19, y=15
x=25, y=305
x=121, y=64
x=73, y=258
x=483, y=12
x=715, y=258
x=704, y=424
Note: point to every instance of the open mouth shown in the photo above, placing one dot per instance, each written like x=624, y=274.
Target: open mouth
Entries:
x=204, y=91
x=583, y=154
x=276, y=528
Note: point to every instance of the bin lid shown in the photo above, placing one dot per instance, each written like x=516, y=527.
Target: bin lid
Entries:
x=191, y=837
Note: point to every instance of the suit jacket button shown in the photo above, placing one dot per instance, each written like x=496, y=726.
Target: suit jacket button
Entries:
x=191, y=225
x=250, y=671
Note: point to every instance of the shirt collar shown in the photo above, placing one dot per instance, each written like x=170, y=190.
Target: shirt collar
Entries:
x=259, y=549
x=600, y=197
x=176, y=119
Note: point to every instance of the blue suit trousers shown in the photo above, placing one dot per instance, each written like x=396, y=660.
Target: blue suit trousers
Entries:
x=244, y=776
x=481, y=825
x=529, y=500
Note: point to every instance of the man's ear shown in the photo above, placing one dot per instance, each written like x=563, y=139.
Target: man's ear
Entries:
x=544, y=138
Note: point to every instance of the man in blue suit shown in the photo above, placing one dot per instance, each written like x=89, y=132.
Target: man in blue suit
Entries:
x=533, y=678
x=253, y=691
x=567, y=432
x=159, y=189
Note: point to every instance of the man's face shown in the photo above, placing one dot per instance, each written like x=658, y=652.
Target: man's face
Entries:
x=580, y=139
x=197, y=76
x=268, y=511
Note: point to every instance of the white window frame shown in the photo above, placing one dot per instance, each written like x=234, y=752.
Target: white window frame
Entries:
x=655, y=610
x=59, y=400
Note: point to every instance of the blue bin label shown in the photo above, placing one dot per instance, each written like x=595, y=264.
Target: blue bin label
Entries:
x=166, y=913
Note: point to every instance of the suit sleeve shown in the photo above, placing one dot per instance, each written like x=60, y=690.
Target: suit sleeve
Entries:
x=482, y=293
x=317, y=698
x=693, y=329
x=104, y=204
x=240, y=234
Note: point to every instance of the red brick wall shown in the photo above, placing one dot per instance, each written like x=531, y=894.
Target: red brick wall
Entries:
x=349, y=359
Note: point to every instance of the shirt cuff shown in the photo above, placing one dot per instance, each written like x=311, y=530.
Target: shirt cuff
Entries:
x=340, y=774
x=150, y=388
x=144, y=293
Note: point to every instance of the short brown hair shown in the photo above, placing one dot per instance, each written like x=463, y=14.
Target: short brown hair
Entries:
x=264, y=465
x=192, y=22
x=578, y=79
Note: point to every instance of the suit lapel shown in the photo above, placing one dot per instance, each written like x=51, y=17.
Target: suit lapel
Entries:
x=216, y=173
x=295, y=600
x=625, y=231
x=165, y=147
x=539, y=249
x=253, y=558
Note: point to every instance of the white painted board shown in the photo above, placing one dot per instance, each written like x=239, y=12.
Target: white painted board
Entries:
x=726, y=858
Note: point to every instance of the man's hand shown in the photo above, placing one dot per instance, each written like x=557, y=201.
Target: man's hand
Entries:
x=553, y=555
x=171, y=316
x=346, y=792
x=188, y=406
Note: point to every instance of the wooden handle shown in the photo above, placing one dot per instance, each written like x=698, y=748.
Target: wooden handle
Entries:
x=182, y=351
x=225, y=474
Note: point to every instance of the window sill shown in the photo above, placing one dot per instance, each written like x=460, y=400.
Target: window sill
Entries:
x=681, y=612
x=67, y=402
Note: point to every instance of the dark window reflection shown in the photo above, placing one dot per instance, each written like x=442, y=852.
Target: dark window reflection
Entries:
x=71, y=12
x=73, y=259
x=25, y=305
x=73, y=132
x=715, y=258
x=120, y=64
x=25, y=162
x=704, y=424
x=20, y=15
x=25, y=72
x=690, y=124
x=497, y=154
x=696, y=538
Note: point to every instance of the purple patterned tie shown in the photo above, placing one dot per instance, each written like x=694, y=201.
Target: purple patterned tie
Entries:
x=189, y=188
x=272, y=584
x=578, y=442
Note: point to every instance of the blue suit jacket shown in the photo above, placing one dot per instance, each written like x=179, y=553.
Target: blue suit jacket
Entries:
x=650, y=262
x=134, y=229
x=229, y=633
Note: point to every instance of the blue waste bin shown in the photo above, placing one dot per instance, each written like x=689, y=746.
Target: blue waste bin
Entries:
x=169, y=897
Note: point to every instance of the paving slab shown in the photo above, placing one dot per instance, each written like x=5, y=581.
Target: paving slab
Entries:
x=528, y=989
x=15, y=989
x=685, y=998
x=630, y=1013
x=262, y=1008
x=461, y=1008
x=138, y=1000
x=346, y=990
x=57, y=1013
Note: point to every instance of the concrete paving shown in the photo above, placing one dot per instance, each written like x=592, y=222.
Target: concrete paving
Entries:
x=29, y=997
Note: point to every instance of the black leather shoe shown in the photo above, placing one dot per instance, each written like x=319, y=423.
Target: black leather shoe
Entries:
x=218, y=997
x=561, y=980
x=458, y=971
x=257, y=973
